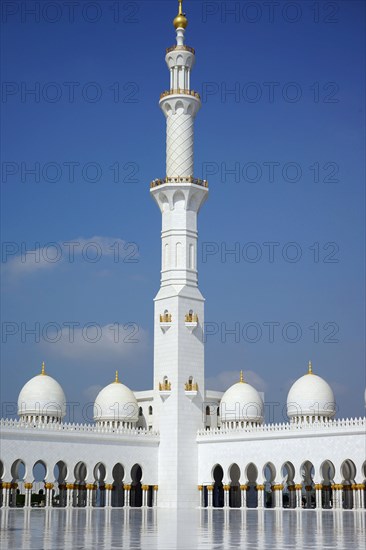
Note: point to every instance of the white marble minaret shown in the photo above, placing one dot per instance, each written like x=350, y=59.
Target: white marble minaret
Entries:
x=179, y=305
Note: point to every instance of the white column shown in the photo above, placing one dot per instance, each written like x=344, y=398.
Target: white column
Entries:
x=260, y=491
x=108, y=494
x=336, y=496
x=69, y=495
x=226, y=495
x=298, y=488
x=362, y=496
x=28, y=494
x=201, y=496
x=89, y=494
x=127, y=488
x=209, y=496
x=155, y=495
x=277, y=490
x=48, y=490
x=318, y=495
x=243, y=494
x=145, y=489
x=6, y=494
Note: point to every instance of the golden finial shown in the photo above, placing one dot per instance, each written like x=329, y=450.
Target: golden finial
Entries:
x=116, y=380
x=310, y=368
x=180, y=21
x=43, y=368
x=241, y=377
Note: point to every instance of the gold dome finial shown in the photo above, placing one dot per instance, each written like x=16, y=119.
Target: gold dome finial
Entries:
x=310, y=368
x=180, y=21
x=43, y=368
x=241, y=377
x=116, y=380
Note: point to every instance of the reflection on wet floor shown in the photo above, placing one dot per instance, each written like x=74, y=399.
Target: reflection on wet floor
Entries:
x=32, y=529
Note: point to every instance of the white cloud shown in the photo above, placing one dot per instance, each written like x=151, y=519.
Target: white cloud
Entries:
x=18, y=260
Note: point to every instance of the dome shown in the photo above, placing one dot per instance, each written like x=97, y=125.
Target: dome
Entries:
x=116, y=403
x=311, y=396
x=42, y=398
x=241, y=403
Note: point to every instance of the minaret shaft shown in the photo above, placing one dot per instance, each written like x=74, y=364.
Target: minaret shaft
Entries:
x=179, y=305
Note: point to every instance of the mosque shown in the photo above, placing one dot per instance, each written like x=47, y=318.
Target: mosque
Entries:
x=180, y=444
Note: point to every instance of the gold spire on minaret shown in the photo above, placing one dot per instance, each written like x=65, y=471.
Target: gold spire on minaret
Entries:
x=43, y=368
x=116, y=380
x=241, y=380
x=310, y=368
x=180, y=21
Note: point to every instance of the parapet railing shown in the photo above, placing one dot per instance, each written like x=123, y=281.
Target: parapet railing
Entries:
x=179, y=179
x=180, y=91
x=286, y=427
x=181, y=48
x=75, y=427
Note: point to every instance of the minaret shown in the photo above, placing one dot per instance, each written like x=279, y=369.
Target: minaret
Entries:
x=179, y=305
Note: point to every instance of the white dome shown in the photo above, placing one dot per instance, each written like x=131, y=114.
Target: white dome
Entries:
x=116, y=402
x=241, y=403
x=310, y=395
x=41, y=396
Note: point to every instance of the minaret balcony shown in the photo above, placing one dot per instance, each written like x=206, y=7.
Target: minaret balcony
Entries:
x=191, y=321
x=181, y=48
x=179, y=179
x=165, y=321
x=191, y=389
x=180, y=91
x=165, y=389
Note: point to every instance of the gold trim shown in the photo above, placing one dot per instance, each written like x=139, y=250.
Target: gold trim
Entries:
x=156, y=487
x=244, y=487
x=28, y=485
x=127, y=487
x=43, y=369
x=178, y=179
x=184, y=48
x=48, y=485
x=310, y=368
x=145, y=487
x=180, y=91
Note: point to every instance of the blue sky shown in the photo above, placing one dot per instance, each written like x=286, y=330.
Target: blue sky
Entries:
x=281, y=139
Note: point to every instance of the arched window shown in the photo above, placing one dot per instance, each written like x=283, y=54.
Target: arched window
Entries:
x=140, y=411
x=208, y=410
x=150, y=410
